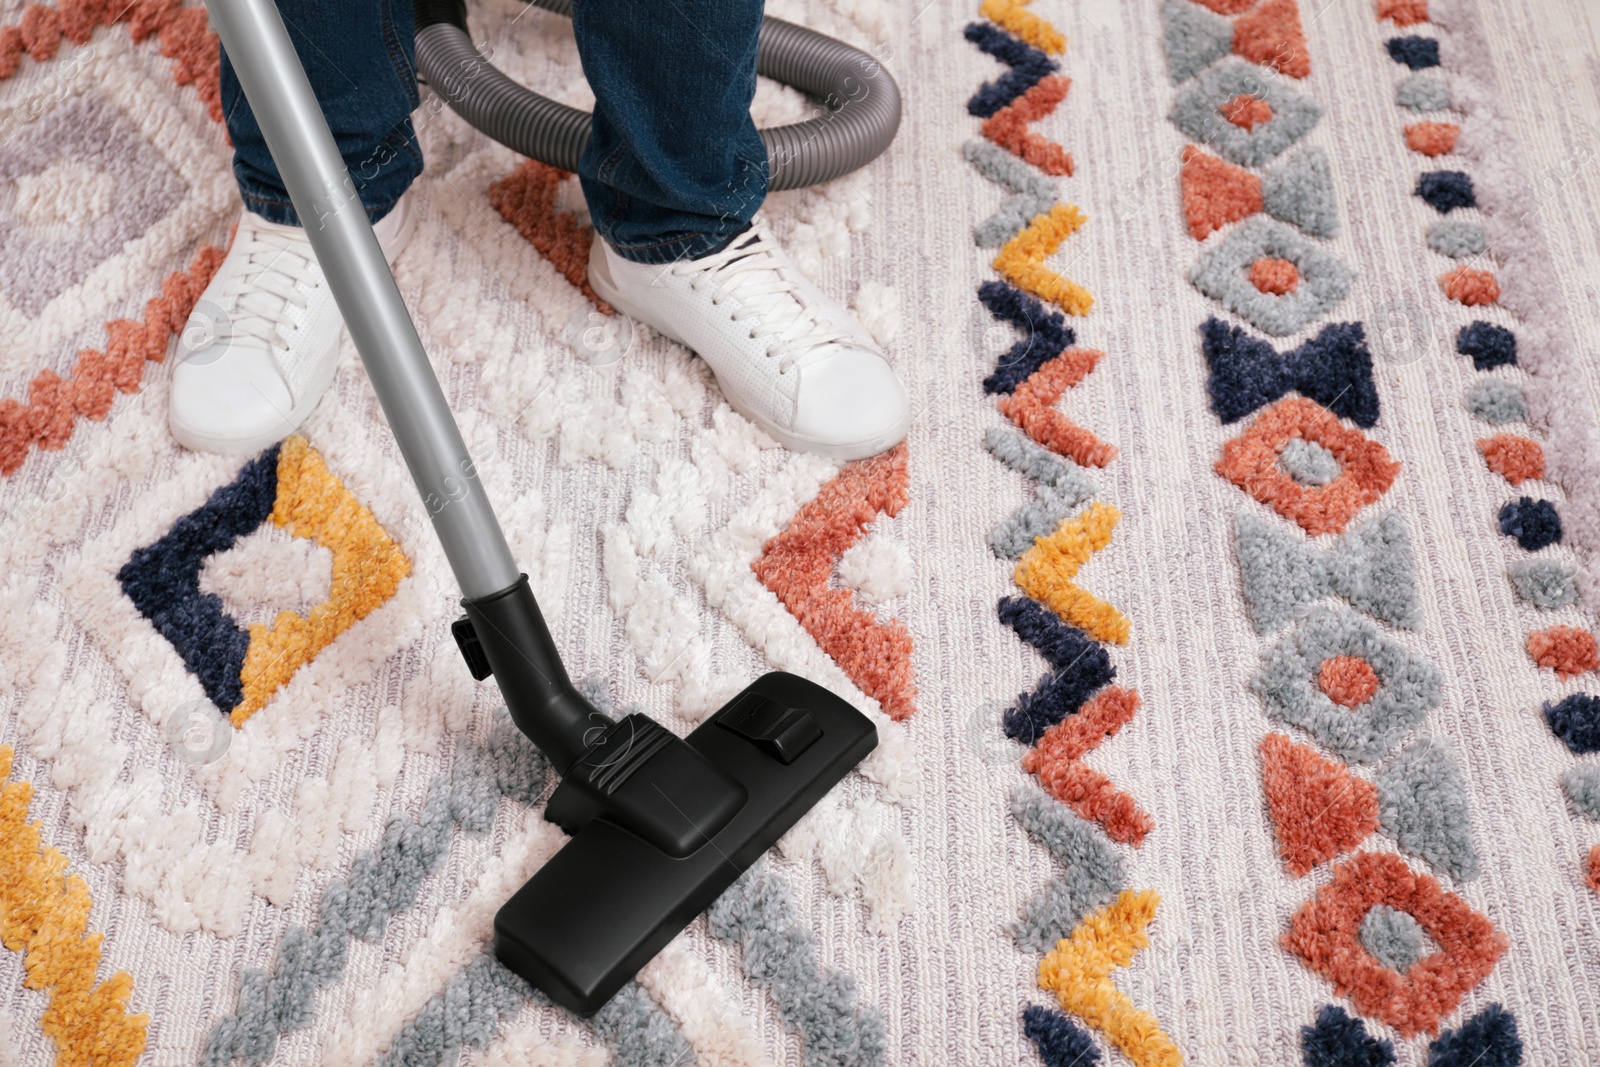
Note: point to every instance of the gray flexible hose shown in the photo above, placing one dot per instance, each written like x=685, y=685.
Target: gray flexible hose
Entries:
x=862, y=99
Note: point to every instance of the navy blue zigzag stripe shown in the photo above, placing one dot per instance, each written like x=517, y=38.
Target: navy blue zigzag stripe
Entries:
x=163, y=579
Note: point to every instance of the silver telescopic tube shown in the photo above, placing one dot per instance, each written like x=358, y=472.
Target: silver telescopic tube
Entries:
x=324, y=196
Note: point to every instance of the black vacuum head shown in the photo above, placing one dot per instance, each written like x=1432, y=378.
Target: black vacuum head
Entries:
x=661, y=826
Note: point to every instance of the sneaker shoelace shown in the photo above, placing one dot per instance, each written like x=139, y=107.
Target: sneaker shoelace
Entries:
x=752, y=269
x=277, y=270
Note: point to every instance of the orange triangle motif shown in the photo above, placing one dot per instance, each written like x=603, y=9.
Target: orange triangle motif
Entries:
x=1216, y=193
x=797, y=565
x=1318, y=807
x=1271, y=35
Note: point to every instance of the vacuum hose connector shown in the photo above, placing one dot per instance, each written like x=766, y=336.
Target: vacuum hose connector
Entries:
x=506, y=636
x=862, y=100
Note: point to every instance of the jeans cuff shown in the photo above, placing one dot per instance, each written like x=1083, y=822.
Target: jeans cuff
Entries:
x=283, y=213
x=691, y=246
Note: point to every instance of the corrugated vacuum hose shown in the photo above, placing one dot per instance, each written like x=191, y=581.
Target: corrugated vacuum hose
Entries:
x=861, y=100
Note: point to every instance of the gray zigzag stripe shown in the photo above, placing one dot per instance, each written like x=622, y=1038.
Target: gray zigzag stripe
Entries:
x=639, y=1033
x=483, y=994
x=468, y=1011
x=1032, y=193
x=381, y=882
x=817, y=1002
x=1093, y=877
x=1059, y=490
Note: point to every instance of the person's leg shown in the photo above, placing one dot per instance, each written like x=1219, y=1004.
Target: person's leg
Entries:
x=262, y=345
x=360, y=59
x=673, y=175
x=674, y=167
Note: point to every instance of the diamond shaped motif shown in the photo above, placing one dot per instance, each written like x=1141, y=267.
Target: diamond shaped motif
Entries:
x=59, y=233
x=241, y=667
x=1251, y=461
x=1326, y=934
x=1231, y=274
x=1198, y=112
x=1292, y=672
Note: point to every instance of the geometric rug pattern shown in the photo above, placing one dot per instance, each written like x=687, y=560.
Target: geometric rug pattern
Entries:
x=1227, y=618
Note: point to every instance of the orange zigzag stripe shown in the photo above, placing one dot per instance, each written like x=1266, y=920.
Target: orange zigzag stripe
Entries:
x=1008, y=127
x=797, y=565
x=1057, y=761
x=45, y=914
x=1032, y=408
x=183, y=33
x=526, y=198
x=55, y=404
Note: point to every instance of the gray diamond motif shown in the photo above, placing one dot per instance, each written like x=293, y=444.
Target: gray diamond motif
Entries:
x=1198, y=113
x=1222, y=274
x=1408, y=688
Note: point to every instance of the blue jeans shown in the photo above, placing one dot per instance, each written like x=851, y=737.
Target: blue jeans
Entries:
x=674, y=168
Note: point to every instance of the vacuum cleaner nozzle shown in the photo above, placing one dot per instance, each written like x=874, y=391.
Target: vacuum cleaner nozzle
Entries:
x=660, y=825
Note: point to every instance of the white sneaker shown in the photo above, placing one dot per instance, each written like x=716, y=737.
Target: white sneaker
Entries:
x=787, y=357
x=262, y=344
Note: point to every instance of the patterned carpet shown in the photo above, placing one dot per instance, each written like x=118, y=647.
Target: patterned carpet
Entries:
x=1228, y=618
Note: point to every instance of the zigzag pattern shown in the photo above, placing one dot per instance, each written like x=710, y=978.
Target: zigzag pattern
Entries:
x=797, y=565
x=1073, y=708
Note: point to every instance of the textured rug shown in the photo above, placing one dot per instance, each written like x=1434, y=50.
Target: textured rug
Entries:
x=1228, y=618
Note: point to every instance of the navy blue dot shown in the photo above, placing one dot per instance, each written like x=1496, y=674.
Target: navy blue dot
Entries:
x=1418, y=53
x=1489, y=345
x=1488, y=1039
x=1534, y=523
x=1446, y=190
x=1337, y=1040
x=1576, y=721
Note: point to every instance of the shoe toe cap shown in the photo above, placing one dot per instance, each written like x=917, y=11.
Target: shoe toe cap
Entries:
x=229, y=399
x=854, y=403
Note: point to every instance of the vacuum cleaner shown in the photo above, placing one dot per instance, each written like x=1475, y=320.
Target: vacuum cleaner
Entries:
x=660, y=825
x=861, y=103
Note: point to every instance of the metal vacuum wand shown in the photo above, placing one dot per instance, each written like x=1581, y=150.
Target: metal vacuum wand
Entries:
x=509, y=630
x=660, y=825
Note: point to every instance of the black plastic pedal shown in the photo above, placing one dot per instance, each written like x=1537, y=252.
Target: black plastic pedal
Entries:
x=471, y=649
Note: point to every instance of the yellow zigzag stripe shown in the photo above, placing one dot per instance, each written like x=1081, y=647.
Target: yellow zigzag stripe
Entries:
x=46, y=915
x=1022, y=260
x=1078, y=971
x=1014, y=16
x=367, y=569
x=1046, y=570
